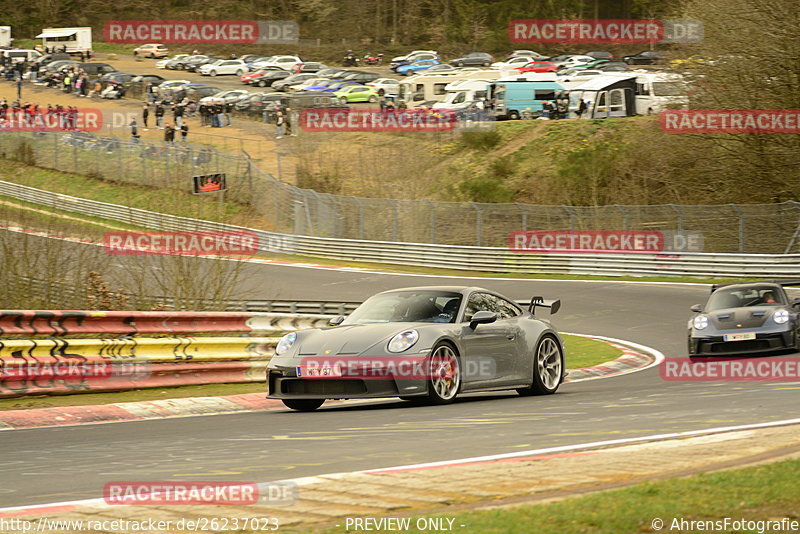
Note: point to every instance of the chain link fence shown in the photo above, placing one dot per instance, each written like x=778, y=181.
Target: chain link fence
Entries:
x=734, y=228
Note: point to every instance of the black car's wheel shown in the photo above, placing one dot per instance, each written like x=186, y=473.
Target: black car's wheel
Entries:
x=303, y=405
x=240, y=72
x=444, y=375
x=262, y=83
x=485, y=63
x=548, y=368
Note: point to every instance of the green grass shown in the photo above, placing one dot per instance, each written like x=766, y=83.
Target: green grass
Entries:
x=585, y=352
x=85, y=399
x=754, y=493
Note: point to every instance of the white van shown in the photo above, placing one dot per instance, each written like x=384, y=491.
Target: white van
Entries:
x=18, y=56
x=71, y=40
x=462, y=93
x=657, y=91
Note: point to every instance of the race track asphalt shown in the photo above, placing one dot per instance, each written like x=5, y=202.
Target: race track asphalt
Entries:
x=68, y=463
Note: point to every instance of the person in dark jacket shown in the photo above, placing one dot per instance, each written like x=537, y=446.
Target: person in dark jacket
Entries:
x=169, y=134
x=145, y=115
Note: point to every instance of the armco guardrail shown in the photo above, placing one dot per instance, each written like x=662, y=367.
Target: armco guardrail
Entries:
x=444, y=256
x=65, y=365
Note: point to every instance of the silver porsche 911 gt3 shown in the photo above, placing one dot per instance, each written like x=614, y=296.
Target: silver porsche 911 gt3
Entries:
x=428, y=343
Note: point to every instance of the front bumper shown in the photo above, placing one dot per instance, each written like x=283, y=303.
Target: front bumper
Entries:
x=763, y=343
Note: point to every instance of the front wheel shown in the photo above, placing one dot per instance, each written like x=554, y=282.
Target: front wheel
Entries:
x=343, y=100
x=212, y=73
x=372, y=99
x=444, y=375
x=303, y=405
x=262, y=83
x=513, y=115
x=240, y=72
x=548, y=368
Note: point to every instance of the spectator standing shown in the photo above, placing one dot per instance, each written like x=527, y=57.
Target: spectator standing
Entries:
x=159, y=115
x=287, y=117
x=19, y=87
x=169, y=134
x=279, y=122
x=145, y=115
x=184, y=132
x=228, y=110
x=134, y=131
x=581, y=108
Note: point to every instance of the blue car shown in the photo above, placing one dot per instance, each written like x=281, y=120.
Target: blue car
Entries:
x=323, y=86
x=336, y=85
x=408, y=70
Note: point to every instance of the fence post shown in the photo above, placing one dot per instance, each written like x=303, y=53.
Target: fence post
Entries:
x=572, y=216
x=478, y=224
x=360, y=218
x=741, y=227
x=624, y=216
x=677, y=210
x=524, y=215
x=55, y=151
x=395, y=219
x=433, y=220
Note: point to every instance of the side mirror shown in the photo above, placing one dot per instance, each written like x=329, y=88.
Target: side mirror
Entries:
x=697, y=308
x=482, y=317
x=336, y=321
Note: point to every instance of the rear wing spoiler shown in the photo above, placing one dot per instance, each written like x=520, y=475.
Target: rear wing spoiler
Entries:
x=783, y=283
x=535, y=302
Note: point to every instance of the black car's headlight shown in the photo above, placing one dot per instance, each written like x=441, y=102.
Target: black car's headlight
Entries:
x=285, y=343
x=781, y=316
x=403, y=341
x=700, y=322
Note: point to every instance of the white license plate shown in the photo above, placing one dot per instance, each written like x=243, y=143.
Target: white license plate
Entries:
x=319, y=371
x=744, y=336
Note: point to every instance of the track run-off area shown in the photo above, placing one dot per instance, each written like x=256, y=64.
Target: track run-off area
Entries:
x=62, y=464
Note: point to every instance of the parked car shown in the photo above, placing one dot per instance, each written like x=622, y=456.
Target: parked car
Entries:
x=294, y=79
x=600, y=54
x=385, y=86
x=394, y=65
x=648, y=57
x=513, y=62
x=96, y=69
x=229, y=97
x=152, y=79
x=356, y=93
x=571, y=61
x=473, y=59
x=307, y=84
x=413, y=53
x=117, y=77
x=265, y=77
x=163, y=64
x=49, y=58
x=312, y=66
x=418, y=66
x=58, y=65
x=224, y=66
x=165, y=89
x=196, y=91
x=179, y=63
x=360, y=77
x=332, y=72
x=195, y=63
x=527, y=53
x=613, y=66
x=284, y=62
x=336, y=85
x=151, y=50
x=441, y=67
x=537, y=66
x=255, y=104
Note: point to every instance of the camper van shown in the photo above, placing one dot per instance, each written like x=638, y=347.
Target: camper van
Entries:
x=427, y=88
x=74, y=40
x=657, y=91
x=462, y=93
x=20, y=55
x=511, y=98
x=608, y=95
x=5, y=36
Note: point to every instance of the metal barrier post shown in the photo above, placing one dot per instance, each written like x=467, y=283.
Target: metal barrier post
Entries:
x=433, y=220
x=741, y=227
x=478, y=224
x=680, y=216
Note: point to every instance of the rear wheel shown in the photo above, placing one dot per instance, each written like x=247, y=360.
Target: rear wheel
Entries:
x=373, y=99
x=444, y=375
x=548, y=368
x=513, y=115
x=240, y=72
x=303, y=405
x=212, y=73
x=262, y=83
x=343, y=100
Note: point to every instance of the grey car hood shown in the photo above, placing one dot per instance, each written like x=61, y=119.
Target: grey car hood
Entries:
x=354, y=339
x=749, y=317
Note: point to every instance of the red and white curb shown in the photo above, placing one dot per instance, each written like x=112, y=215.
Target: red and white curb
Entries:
x=634, y=358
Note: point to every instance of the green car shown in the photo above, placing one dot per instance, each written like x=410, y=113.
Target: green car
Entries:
x=356, y=93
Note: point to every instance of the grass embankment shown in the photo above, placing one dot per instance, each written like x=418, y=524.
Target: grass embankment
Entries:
x=767, y=492
x=582, y=352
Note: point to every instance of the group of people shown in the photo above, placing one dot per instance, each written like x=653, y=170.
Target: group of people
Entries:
x=215, y=114
x=29, y=115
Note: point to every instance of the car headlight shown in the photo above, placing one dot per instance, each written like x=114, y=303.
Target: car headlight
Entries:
x=781, y=316
x=285, y=343
x=700, y=322
x=403, y=341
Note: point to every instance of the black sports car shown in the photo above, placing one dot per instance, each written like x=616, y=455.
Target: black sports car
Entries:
x=430, y=343
x=745, y=318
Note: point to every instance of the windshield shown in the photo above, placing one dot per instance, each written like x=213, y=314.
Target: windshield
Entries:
x=408, y=307
x=738, y=297
x=668, y=89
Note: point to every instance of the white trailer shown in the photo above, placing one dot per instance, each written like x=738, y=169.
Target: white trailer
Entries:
x=72, y=40
x=463, y=93
x=427, y=88
x=5, y=36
